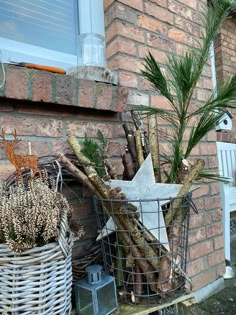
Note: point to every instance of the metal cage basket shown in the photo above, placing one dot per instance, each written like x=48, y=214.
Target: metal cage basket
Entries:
x=144, y=244
x=39, y=280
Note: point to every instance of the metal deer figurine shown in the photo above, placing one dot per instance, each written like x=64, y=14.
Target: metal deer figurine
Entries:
x=19, y=161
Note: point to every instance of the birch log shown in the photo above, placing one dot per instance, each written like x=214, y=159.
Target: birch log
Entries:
x=154, y=146
x=139, y=147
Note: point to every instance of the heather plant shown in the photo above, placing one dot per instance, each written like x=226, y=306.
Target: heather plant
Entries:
x=30, y=215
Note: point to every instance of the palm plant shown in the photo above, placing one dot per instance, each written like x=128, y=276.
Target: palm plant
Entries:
x=178, y=87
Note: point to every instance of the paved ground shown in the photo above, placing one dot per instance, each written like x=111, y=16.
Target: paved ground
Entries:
x=224, y=302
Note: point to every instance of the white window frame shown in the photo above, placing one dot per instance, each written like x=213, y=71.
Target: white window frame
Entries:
x=90, y=20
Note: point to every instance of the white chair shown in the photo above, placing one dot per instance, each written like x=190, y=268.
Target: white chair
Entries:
x=226, y=153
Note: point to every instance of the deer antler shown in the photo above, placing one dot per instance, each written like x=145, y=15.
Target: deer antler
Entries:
x=3, y=136
x=15, y=139
x=5, y=141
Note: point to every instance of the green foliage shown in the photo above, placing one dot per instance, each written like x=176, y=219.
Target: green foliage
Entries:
x=95, y=151
x=178, y=87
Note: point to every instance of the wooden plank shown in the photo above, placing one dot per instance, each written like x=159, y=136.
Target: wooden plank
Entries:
x=126, y=309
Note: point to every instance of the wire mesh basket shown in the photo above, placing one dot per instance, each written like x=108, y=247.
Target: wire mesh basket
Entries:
x=144, y=245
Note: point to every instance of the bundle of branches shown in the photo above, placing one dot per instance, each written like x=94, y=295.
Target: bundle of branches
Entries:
x=145, y=253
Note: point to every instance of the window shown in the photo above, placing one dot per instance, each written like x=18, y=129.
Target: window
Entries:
x=46, y=31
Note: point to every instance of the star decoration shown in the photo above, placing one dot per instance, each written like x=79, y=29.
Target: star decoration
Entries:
x=150, y=197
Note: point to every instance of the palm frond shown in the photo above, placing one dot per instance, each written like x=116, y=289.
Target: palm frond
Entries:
x=214, y=177
x=146, y=111
x=206, y=122
x=179, y=84
x=154, y=74
x=225, y=98
x=182, y=79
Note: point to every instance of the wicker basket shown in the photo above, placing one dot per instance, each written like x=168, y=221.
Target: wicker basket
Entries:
x=39, y=280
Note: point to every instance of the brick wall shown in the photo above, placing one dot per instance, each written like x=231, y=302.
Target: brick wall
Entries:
x=45, y=109
x=167, y=27
x=225, y=58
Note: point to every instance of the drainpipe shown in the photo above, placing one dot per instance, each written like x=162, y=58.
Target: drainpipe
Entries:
x=229, y=272
x=213, y=69
x=91, y=33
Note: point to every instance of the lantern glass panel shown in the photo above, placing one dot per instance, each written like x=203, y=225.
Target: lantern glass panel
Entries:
x=106, y=298
x=85, y=301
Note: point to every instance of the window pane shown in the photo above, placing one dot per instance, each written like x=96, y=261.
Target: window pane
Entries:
x=49, y=24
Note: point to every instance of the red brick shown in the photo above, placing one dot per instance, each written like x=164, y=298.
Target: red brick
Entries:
x=119, y=167
x=215, y=188
x=107, y=3
x=217, y=216
x=180, y=10
x=16, y=83
x=159, y=42
x=211, y=136
x=196, y=236
x=41, y=86
x=86, y=94
x=181, y=49
x=120, y=45
x=203, y=95
x=125, y=63
x=212, y=203
x=214, y=230
x=116, y=149
x=82, y=210
x=159, y=13
x=200, y=249
x=119, y=11
x=103, y=94
x=6, y=169
x=162, y=3
x=208, y=148
x=33, y=127
x=124, y=29
x=39, y=148
x=207, y=84
x=138, y=5
x=203, y=279
x=144, y=84
x=216, y=258
x=195, y=267
x=128, y=79
x=220, y=270
x=212, y=161
x=61, y=146
x=187, y=26
x=121, y=99
x=137, y=98
x=80, y=128
x=179, y=36
x=119, y=131
x=196, y=150
x=159, y=56
x=199, y=203
x=190, y=3
x=218, y=242
x=159, y=101
x=65, y=90
x=151, y=24
x=203, y=190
